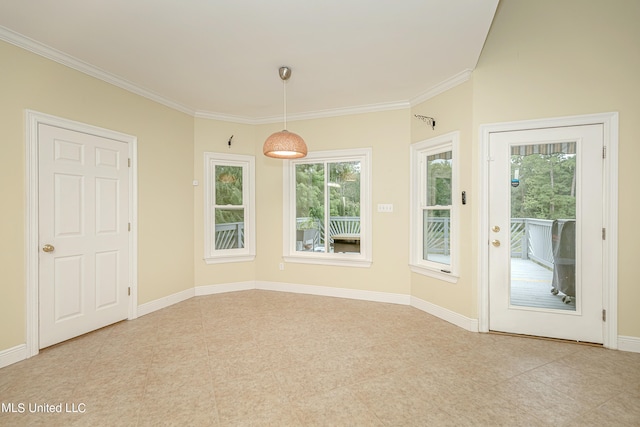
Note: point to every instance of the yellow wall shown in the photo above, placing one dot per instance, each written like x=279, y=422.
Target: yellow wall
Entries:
x=165, y=151
x=548, y=58
x=542, y=58
x=387, y=133
x=452, y=111
x=212, y=136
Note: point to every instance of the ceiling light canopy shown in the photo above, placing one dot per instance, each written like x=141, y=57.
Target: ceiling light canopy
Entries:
x=285, y=144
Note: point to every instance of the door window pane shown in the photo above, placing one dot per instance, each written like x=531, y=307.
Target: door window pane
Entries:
x=543, y=223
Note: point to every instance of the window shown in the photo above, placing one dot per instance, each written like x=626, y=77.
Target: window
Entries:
x=327, y=208
x=229, y=208
x=434, y=212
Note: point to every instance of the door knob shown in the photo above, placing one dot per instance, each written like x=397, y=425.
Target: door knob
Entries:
x=495, y=228
x=48, y=248
x=495, y=243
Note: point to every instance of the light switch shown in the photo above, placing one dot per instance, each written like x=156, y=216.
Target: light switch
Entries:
x=385, y=207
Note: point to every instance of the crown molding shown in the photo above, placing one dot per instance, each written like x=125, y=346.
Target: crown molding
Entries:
x=441, y=87
x=346, y=111
x=224, y=117
x=45, y=51
x=62, y=58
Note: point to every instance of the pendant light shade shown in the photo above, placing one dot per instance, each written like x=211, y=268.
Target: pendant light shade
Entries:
x=285, y=144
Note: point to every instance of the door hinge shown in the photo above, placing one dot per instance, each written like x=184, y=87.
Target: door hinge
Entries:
x=129, y=291
x=129, y=162
x=604, y=152
x=604, y=233
x=604, y=315
x=129, y=227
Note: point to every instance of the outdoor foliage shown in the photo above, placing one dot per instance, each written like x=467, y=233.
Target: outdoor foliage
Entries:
x=439, y=175
x=547, y=186
x=343, y=188
x=228, y=194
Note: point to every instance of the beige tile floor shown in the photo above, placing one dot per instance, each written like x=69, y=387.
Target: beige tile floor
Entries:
x=257, y=358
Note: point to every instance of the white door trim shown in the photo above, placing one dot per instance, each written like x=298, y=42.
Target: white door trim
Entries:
x=33, y=119
x=610, y=212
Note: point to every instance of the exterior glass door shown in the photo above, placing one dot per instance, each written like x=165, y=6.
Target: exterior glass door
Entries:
x=545, y=213
x=543, y=225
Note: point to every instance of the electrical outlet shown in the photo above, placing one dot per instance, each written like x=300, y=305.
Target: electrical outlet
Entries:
x=385, y=207
x=281, y=266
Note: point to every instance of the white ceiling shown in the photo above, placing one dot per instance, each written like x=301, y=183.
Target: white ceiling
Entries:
x=220, y=58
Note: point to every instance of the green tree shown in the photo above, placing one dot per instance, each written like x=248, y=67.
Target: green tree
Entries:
x=439, y=175
x=343, y=187
x=310, y=191
x=228, y=192
x=546, y=187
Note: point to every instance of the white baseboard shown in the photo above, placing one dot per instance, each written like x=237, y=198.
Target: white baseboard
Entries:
x=328, y=291
x=155, y=305
x=446, y=314
x=13, y=355
x=224, y=287
x=631, y=344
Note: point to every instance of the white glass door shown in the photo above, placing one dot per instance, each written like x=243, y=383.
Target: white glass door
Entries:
x=545, y=196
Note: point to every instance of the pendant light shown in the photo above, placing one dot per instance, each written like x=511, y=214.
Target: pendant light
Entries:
x=285, y=144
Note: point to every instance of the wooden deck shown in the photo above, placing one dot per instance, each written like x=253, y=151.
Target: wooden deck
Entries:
x=531, y=286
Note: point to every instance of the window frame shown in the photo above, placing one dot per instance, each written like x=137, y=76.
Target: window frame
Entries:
x=248, y=252
x=290, y=254
x=419, y=153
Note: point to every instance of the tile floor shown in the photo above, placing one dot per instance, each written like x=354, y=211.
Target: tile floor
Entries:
x=268, y=358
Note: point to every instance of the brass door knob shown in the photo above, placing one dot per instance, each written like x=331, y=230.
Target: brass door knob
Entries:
x=48, y=248
x=495, y=228
x=495, y=243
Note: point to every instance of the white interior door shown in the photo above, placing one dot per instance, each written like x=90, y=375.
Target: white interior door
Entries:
x=546, y=242
x=83, y=198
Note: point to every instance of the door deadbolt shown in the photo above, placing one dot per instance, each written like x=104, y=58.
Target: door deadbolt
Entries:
x=48, y=248
x=495, y=228
x=495, y=243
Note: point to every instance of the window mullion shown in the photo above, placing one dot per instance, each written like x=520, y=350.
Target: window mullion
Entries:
x=327, y=208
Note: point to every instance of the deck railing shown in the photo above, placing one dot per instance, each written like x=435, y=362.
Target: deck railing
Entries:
x=437, y=232
x=230, y=236
x=311, y=231
x=531, y=239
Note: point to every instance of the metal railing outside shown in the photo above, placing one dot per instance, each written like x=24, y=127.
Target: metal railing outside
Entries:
x=229, y=236
x=531, y=239
x=437, y=232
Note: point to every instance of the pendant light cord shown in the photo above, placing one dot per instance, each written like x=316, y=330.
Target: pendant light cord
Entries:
x=284, y=90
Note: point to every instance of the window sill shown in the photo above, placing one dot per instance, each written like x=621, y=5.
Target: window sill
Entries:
x=348, y=262
x=436, y=274
x=226, y=259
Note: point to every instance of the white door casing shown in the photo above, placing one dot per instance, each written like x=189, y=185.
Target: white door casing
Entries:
x=585, y=322
x=82, y=197
x=609, y=122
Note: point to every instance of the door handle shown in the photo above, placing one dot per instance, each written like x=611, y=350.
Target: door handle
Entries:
x=48, y=248
x=495, y=243
x=495, y=228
